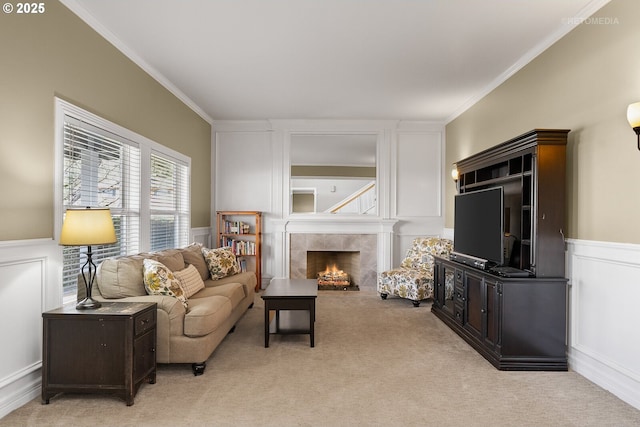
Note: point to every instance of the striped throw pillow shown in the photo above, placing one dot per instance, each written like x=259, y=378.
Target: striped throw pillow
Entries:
x=190, y=280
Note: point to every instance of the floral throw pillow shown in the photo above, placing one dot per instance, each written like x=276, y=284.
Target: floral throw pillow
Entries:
x=221, y=262
x=159, y=280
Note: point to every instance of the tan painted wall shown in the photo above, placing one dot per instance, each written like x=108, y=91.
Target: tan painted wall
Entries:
x=57, y=54
x=584, y=82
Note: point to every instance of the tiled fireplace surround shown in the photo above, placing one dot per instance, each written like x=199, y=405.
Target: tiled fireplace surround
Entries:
x=365, y=244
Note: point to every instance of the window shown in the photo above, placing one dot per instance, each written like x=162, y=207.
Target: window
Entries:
x=100, y=170
x=169, y=203
x=100, y=164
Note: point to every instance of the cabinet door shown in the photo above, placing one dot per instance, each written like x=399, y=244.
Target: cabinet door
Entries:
x=438, y=280
x=491, y=312
x=144, y=356
x=474, y=306
x=97, y=358
x=441, y=276
x=483, y=308
x=448, y=285
x=445, y=283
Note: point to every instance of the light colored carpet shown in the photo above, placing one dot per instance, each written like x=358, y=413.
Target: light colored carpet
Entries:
x=376, y=363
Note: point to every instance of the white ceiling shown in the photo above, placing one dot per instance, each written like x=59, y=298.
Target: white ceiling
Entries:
x=332, y=59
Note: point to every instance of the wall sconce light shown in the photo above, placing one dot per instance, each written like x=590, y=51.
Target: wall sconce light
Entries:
x=633, y=115
x=454, y=173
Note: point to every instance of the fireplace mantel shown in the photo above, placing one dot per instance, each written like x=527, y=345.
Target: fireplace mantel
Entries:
x=343, y=224
x=382, y=229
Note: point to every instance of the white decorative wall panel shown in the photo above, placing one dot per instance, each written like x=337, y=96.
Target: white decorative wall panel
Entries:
x=21, y=291
x=31, y=283
x=603, y=340
x=243, y=171
x=608, y=338
x=418, y=186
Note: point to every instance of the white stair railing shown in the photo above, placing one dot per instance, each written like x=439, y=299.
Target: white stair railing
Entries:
x=362, y=201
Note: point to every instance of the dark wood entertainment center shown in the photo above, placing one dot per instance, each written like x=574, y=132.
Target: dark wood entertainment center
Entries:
x=516, y=323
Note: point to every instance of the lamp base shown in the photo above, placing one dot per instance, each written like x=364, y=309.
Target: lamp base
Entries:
x=88, y=304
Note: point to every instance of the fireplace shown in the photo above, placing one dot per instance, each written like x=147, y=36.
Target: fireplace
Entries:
x=356, y=254
x=334, y=270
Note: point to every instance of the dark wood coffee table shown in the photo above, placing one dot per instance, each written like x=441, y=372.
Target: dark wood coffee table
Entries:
x=291, y=295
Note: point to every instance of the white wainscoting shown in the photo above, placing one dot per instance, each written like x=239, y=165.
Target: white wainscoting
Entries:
x=604, y=344
x=31, y=272
x=201, y=235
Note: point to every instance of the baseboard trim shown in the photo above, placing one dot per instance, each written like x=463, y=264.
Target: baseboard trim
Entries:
x=624, y=387
x=22, y=392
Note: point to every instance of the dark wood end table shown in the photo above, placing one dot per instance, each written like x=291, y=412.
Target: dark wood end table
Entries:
x=110, y=349
x=290, y=295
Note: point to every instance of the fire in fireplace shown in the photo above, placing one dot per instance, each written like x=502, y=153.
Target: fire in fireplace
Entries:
x=333, y=276
x=334, y=270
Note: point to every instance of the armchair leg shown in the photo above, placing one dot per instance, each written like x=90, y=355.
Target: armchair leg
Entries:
x=198, y=368
x=416, y=303
x=383, y=296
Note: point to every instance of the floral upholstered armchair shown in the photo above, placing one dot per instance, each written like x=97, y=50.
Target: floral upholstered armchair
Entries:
x=414, y=278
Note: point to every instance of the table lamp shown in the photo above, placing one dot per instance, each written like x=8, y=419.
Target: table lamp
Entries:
x=86, y=227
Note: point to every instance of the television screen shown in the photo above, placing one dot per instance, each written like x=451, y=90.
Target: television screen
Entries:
x=478, y=224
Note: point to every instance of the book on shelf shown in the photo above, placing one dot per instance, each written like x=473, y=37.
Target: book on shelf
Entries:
x=236, y=227
x=239, y=247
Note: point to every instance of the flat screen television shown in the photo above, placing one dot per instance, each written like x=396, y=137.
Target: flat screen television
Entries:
x=478, y=225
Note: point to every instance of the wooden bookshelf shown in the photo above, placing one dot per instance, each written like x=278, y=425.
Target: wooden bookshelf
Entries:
x=242, y=231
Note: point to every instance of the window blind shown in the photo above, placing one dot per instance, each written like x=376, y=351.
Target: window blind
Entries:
x=100, y=169
x=169, y=202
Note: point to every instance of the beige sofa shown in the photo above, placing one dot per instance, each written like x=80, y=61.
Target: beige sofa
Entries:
x=184, y=335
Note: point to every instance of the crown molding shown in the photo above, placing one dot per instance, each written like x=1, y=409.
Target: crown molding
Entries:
x=569, y=25
x=90, y=20
x=241, y=126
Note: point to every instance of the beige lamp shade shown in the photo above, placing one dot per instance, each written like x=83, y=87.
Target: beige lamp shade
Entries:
x=85, y=227
x=633, y=114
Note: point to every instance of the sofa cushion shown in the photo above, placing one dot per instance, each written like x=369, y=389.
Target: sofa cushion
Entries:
x=159, y=280
x=192, y=254
x=205, y=315
x=190, y=280
x=247, y=278
x=121, y=277
x=171, y=258
x=221, y=262
x=234, y=291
